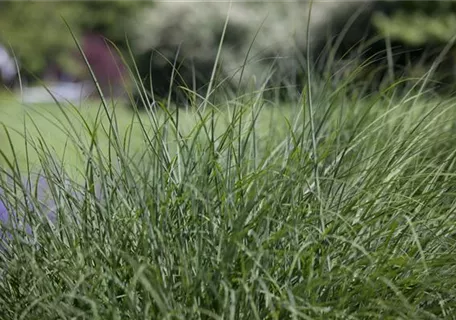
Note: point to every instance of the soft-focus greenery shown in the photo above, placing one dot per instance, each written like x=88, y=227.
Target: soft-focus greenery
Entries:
x=420, y=33
x=417, y=23
x=48, y=121
x=37, y=33
x=260, y=37
x=264, y=41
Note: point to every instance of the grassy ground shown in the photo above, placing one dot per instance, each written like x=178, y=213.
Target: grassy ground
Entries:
x=57, y=126
x=63, y=128
x=328, y=208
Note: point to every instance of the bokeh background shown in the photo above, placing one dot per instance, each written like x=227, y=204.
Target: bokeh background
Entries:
x=266, y=40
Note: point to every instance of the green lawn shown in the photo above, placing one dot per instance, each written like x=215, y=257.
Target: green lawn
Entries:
x=66, y=128
x=333, y=208
x=58, y=126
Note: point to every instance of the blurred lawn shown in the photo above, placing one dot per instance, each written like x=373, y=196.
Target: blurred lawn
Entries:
x=51, y=124
x=57, y=126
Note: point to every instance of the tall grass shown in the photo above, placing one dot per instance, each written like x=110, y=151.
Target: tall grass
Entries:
x=246, y=209
x=217, y=215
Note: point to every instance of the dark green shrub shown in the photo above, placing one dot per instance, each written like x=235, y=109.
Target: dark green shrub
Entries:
x=265, y=43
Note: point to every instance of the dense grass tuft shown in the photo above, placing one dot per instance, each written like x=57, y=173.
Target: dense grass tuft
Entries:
x=246, y=210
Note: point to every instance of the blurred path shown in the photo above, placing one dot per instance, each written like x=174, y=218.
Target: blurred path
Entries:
x=74, y=92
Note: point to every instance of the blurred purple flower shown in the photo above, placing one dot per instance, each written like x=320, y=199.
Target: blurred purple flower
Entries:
x=38, y=200
x=105, y=63
x=3, y=213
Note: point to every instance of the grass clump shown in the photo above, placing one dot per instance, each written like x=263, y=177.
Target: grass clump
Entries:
x=241, y=211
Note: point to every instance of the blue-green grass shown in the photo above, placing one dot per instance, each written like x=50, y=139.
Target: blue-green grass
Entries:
x=243, y=210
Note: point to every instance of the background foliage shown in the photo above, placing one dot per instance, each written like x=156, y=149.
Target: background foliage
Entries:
x=37, y=33
x=417, y=22
x=271, y=35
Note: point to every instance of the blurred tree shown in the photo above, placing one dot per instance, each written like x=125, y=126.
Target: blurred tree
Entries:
x=264, y=43
x=417, y=23
x=38, y=36
x=421, y=29
x=35, y=31
x=109, y=18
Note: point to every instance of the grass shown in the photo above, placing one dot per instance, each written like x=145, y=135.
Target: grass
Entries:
x=58, y=126
x=247, y=210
